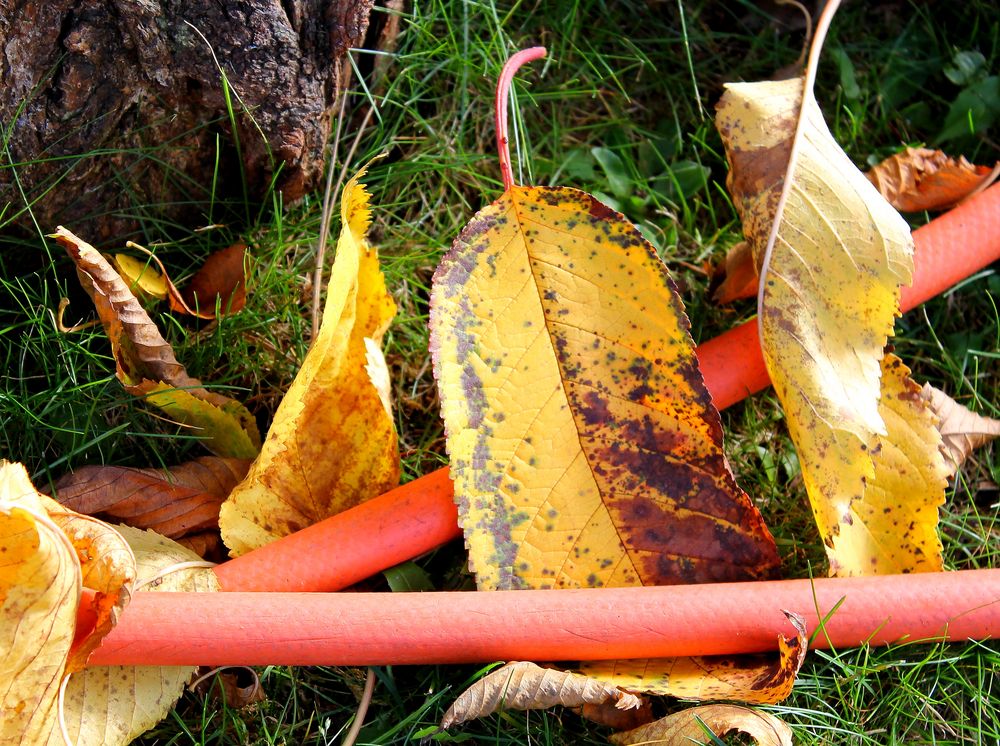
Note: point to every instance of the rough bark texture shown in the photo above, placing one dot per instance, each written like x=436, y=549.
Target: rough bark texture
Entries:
x=133, y=79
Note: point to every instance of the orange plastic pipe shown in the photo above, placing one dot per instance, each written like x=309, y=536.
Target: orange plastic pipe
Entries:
x=358, y=629
x=420, y=516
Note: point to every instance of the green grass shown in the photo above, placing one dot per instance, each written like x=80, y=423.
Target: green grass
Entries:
x=632, y=80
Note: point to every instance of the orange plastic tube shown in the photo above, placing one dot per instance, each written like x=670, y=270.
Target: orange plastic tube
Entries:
x=420, y=516
x=357, y=629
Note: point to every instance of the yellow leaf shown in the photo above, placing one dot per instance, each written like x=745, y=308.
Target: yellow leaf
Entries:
x=583, y=443
x=142, y=278
x=110, y=705
x=525, y=686
x=828, y=298
x=40, y=586
x=961, y=429
x=687, y=727
x=145, y=362
x=332, y=444
x=755, y=679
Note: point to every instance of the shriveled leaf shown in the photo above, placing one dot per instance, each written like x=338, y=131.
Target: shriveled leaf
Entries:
x=143, y=279
x=40, y=585
x=146, y=364
x=332, y=444
x=584, y=446
x=610, y=716
x=829, y=291
x=236, y=686
x=736, y=277
x=962, y=430
x=174, y=502
x=687, y=727
x=923, y=179
x=525, y=686
x=755, y=679
x=219, y=286
x=894, y=528
x=112, y=705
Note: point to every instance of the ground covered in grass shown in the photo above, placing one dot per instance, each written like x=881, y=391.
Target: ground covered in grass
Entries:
x=622, y=107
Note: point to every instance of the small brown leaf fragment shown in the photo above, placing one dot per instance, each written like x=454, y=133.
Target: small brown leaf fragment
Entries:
x=522, y=685
x=735, y=277
x=236, y=686
x=220, y=284
x=174, y=502
x=611, y=716
x=687, y=727
x=961, y=429
x=922, y=179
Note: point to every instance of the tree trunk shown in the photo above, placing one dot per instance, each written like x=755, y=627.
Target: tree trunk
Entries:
x=113, y=104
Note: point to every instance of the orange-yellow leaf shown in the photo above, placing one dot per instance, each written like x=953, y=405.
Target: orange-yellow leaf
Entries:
x=174, y=502
x=828, y=297
x=583, y=443
x=332, y=444
x=112, y=705
x=525, y=686
x=922, y=179
x=40, y=585
x=961, y=429
x=688, y=727
x=146, y=364
x=755, y=679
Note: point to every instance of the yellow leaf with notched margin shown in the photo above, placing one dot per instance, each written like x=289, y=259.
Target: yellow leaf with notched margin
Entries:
x=829, y=291
x=687, y=728
x=583, y=443
x=110, y=705
x=40, y=586
x=522, y=685
x=332, y=444
x=755, y=679
x=145, y=362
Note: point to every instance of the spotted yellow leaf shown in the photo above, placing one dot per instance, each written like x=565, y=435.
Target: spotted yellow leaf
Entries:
x=827, y=301
x=333, y=443
x=583, y=443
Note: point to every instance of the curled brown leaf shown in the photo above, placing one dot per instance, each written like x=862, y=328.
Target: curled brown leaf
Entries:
x=689, y=726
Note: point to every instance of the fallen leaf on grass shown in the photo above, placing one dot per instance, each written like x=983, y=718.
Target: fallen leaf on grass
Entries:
x=174, y=502
x=962, y=430
x=526, y=686
x=736, y=277
x=583, y=443
x=146, y=364
x=689, y=727
x=332, y=443
x=827, y=302
x=922, y=179
x=219, y=285
x=143, y=279
x=754, y=679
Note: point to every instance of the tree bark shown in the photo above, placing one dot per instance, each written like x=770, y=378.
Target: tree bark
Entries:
x=107, y=105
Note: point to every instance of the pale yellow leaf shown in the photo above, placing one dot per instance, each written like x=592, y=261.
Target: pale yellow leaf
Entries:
x=687, y=728
x=526, y=686
x=333, y=443
x=961, y=429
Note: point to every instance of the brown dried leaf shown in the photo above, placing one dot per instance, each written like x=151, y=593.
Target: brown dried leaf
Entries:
x=175, y=502
x=611, y=716
x=219, y=284
x=736, y=276
x=146, y=364
x=961, y=429
x=688, y=727
x=922, y=179
x=522, y=685
x=236, y=686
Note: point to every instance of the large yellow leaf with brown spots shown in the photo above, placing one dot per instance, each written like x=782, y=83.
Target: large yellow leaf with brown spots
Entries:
x=333, y=442
x=583, y=443
x=827, y=302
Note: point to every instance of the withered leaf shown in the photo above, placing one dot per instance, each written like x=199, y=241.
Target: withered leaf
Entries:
x=219, y=285
x=961, y=429
x=174, y=502
x=687, y=727
x=923, y=179
x=146, y=364
x=526, y=686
